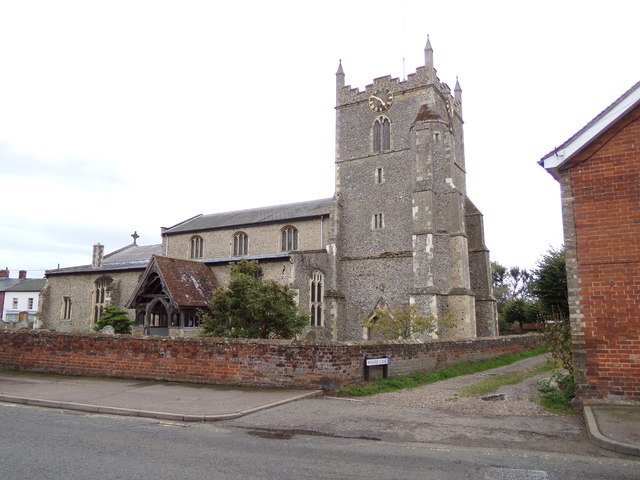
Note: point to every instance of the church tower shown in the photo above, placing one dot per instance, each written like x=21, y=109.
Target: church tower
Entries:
x=402, y=221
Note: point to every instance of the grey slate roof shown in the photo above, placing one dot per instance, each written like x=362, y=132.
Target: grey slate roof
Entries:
x=131, y=257
x=273, y=214
x=132, y=253
x=28, y=285
x=7, y=283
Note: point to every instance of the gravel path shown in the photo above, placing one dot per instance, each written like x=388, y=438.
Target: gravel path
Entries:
x=446, y=395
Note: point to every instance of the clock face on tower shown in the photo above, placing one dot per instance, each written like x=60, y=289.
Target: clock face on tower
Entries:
x=380, y=100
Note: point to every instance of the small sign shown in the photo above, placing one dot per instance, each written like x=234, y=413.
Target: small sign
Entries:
x=371, y=362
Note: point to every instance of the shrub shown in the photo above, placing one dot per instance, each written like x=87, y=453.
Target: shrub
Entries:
x=401, y=322
x=252, y=307
x=117, y=318
x=557, y=392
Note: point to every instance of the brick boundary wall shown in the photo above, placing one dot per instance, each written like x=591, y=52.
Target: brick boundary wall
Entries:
x=248, y=362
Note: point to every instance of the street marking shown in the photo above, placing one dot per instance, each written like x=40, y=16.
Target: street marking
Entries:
x=515, y=474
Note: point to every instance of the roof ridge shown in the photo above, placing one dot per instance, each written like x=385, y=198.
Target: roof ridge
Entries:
x=592, y=122
x=266, y=207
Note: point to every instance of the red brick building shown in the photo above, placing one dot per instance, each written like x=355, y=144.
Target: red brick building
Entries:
x=598, y=170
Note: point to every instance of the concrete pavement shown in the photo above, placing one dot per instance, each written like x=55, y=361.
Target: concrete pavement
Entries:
x=163, y=400
x=614, y=428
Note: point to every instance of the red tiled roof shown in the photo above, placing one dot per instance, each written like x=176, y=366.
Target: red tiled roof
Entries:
x=188, y=283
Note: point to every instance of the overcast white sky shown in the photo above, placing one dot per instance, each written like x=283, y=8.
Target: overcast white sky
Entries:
x=118, y=116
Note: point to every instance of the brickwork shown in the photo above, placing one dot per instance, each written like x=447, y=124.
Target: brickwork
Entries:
x=601, y=209
x=270, y=363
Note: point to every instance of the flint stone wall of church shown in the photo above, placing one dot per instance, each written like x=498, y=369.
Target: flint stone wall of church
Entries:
x=265, y=363
x=422, y=199
x=79, y=288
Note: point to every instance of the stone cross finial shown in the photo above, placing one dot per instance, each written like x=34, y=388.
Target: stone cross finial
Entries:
x=135, y=237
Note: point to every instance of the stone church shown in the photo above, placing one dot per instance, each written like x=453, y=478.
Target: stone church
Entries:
x=399, y=230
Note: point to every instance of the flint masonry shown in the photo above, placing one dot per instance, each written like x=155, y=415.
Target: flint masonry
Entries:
x=399, y=230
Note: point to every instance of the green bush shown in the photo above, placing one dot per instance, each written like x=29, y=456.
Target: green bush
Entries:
x=557, y=392
x=252, y=307
x=117, y=318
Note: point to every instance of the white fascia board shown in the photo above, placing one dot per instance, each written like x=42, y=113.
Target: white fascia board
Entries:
x=563, y=155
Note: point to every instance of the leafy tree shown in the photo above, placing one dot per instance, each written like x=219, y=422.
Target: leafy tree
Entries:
x=117, y=318
x=511, y=287
x=500, y=288
x=520, y=280
x=520, y=310
x=401, y=322
x=509, y=283
x=252, y=307
x=549, y=284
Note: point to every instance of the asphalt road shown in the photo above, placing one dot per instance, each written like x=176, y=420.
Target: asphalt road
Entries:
x=38, y=443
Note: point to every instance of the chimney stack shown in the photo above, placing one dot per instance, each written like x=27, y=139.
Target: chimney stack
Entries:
x=98, y=254
x=22, y=274
x=4, y=273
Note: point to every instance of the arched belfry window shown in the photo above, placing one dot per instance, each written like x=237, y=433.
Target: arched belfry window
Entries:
x=197, y=245
x=240, y=244
x=381, y=134
x=289, y=239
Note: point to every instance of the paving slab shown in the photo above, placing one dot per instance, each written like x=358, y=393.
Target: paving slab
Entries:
x=616, y=428
x=175, y=401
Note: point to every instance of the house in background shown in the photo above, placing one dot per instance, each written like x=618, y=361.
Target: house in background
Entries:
x=599, y=172
x=19, y=298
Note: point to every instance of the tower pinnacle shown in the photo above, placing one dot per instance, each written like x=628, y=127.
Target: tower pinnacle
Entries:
x=339, y=80
x=340, y=76
x=428, y=55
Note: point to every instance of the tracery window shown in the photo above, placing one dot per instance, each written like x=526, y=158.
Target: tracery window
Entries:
x=381, y=135
x=240, y=244
x=196, y=247
x=317, y=299
x=289, y=239
x=102, y=296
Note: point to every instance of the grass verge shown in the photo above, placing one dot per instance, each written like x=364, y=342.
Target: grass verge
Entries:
x=489, y=385
x=391, y=384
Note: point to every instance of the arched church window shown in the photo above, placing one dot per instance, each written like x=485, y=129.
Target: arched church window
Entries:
x=381, y=134
x=197, y=245
x=289, y=239
x=66, y=308
x=317, y=299
x=101, y=296
x=240, y=244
